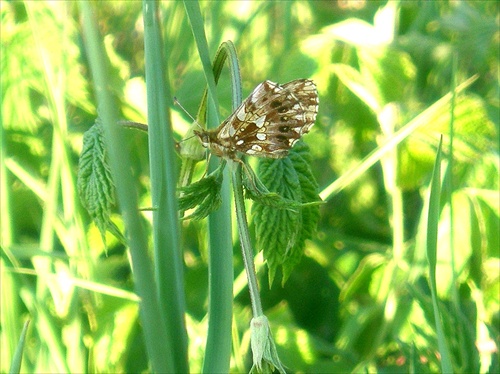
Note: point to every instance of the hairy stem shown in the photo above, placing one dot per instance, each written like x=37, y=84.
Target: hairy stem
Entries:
x=246, y=245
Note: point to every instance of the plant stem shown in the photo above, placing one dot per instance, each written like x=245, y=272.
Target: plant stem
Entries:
x=246, y=245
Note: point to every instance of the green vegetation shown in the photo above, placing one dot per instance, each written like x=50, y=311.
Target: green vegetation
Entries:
x=397, y=270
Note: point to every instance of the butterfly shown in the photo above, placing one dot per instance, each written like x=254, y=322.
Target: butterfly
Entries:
x=267, y=123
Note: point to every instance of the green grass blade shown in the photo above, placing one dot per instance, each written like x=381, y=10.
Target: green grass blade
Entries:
x=196, y=21
x=220, y=283
x=18, y=355
x=375, y=156
x=154, y=329
x=432, y=235
x=448, y=185
x=164, y=174
x=218, y=350
x=218, y=347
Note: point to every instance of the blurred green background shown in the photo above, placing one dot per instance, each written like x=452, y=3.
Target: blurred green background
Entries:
x=359, y=301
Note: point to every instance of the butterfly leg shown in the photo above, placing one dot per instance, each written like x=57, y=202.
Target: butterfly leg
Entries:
x=250, y=175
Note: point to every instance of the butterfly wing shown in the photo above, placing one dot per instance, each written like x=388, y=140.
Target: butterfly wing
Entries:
x=271, y=120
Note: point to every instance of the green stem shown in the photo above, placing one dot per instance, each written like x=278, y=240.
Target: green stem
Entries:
x=168, y=261
x=158, y=343
x=134, y=125
x=246, y=245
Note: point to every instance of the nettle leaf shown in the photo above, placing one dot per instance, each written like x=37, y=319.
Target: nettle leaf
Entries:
x=95, y=184
x=281, y=232
x=257, y=191
x=204, y=195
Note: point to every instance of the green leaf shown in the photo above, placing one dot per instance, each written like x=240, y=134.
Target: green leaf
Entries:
x=386, y=72
x=354, y=80
x=258, y=192
x=385, y=76
x=474, y=135
x=18, y=355
x=292, y=179
x=95, y=185
x=432, y=244
x=301, y=160
x=204, y=194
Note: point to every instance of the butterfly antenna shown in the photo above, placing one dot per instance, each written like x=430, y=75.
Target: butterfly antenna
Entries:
x=176, y=102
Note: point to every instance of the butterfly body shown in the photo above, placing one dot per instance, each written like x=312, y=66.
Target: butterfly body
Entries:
x=266, y=124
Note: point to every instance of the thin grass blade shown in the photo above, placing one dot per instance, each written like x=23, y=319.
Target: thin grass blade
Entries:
x=154, y=329
x=432, y=235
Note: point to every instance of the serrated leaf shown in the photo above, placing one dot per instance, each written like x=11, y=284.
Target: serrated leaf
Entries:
x=292, y=179
x=204, y=195
x=95, y=184
x=301, y=159
x=257, y=191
